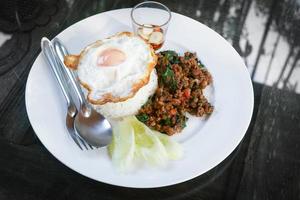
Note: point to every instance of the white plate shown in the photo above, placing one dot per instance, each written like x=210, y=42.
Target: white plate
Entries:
x=206, y=142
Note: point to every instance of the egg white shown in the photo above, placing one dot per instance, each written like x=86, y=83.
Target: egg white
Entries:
x=116, y=80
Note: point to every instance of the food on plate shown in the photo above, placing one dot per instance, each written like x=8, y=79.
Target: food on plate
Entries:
x=181, y=80
x=134, y=143
x=117, y=74
x=146, y=95
x=131, y=105
x=152, y=34
x=122, y=76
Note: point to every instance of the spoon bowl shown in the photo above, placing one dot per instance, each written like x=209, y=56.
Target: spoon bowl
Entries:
x=95, y=129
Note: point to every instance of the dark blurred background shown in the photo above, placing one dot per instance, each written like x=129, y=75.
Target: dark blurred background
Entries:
x=266, y=165
x=264, y=32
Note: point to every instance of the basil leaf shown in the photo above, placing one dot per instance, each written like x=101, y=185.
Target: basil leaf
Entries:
x=181, y=120
x=200, y=64
x=171, y=56
x=169, y=78
x=166, y=122
x=142, y=117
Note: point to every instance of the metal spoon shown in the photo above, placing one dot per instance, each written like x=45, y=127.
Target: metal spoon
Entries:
x=48, y=52
x=90, y=125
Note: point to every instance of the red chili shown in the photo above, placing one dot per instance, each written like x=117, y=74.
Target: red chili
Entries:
x=187, y=93
x=173, y=112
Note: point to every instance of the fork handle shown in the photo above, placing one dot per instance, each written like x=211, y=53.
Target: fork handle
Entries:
x=49, y=54
x=61, y=51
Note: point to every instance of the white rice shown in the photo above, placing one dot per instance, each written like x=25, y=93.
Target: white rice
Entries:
x=132, y=105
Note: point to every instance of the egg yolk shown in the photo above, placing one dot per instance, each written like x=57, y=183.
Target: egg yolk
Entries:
x=110, y=57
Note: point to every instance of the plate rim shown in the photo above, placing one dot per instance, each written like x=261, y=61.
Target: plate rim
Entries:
x=246, y=125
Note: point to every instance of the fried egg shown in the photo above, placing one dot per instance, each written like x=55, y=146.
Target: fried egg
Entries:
x=114, y=69
x=132, y=105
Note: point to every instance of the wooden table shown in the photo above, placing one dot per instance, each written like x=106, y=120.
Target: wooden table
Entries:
x=266, y=164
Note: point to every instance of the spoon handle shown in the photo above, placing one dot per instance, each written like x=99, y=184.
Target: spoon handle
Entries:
x=61, y=51
x=49, y=54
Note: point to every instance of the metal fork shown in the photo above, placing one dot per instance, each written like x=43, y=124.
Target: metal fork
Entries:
x=61, y=78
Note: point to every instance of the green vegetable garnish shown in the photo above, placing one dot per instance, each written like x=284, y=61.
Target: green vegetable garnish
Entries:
x=181, y=120
x=186, y=57
x=142, y=117
x=166, y=122
x=167, y=75
x=134, y=143
x=169, y=79
x=200, y=64
x=171, y=56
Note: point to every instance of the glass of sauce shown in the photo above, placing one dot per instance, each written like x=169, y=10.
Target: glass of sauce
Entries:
x=150, y=21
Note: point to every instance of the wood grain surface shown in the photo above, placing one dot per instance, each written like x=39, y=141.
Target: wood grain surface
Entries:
x=266, y=164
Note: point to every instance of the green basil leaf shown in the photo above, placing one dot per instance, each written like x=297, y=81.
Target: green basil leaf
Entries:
x=142, y=117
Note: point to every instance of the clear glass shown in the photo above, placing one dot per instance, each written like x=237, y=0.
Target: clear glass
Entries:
x=150, y=20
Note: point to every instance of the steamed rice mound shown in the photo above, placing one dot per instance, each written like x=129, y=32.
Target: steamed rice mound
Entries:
x=132, y=105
